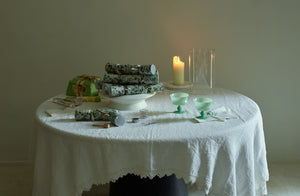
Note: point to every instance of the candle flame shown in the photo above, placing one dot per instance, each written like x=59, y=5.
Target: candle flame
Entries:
x=176, y=59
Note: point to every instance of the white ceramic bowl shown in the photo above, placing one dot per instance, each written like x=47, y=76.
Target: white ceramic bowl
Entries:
x=128, y=102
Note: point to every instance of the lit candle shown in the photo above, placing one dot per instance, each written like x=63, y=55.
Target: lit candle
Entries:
x=178, y=71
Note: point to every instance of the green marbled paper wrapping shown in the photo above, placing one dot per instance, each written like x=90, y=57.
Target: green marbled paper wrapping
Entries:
x=106, y=114
x=155, y=88
x=135, y=89
x=83, y=115
x=103, y=115
x=119, y=90
x=116, y=90
x=131, y=79
x=129, y=69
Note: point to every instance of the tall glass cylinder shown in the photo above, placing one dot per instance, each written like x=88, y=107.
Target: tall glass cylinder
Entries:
x=201, y=67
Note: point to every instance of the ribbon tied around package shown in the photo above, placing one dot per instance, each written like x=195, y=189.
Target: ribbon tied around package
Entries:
x=79, y=89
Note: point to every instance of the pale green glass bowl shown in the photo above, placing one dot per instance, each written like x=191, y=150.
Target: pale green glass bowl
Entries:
x=179, y=99
x=202, y=104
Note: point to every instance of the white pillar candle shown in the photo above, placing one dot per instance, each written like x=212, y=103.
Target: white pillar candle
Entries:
x=178, y=71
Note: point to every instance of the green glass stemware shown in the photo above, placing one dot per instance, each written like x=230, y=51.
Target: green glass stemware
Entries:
x=179, y=99
x=202, y=104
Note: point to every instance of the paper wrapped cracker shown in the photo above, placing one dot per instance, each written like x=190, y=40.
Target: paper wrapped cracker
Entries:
x=116, y=90
x=135, y=89
x=96, y=115
x=128, y=69
x=131, y=79
x=155, y=88
x=119, y=90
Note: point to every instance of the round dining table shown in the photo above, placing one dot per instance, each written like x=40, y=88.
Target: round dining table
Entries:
x=223, y=155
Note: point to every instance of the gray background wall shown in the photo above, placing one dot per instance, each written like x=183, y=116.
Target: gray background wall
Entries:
x=44, y=43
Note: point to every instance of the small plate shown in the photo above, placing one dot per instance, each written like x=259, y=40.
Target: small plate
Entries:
x=128, y=102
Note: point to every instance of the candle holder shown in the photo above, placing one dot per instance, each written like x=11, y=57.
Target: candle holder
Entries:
x=199, y=71
x=202, y=104
x=179, y=99
x=180, y=80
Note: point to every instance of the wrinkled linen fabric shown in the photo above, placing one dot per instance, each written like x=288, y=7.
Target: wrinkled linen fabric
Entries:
x=219, y=158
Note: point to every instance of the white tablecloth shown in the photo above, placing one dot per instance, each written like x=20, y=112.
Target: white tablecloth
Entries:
x=219, y=158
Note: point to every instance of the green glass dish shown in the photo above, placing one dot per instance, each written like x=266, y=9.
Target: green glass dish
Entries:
x=202, y=104
x=179, y=99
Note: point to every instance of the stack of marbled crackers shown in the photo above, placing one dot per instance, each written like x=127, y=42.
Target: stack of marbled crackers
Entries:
x=128, y=79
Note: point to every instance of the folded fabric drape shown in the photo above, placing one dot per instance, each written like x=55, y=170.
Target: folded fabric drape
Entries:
x=220, y=158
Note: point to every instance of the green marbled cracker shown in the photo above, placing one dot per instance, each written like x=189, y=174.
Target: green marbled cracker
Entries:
x=83, y=115
x=129, y=69
x=155, y=88
x=96, y=115
x=119, y=90
x=116, y=90
x=130, y=79
x=105, y=114
x=135, y=89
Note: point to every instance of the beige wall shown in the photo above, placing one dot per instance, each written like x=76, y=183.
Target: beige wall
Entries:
x=43, y=44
